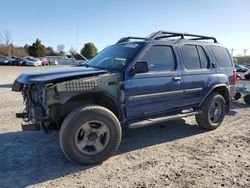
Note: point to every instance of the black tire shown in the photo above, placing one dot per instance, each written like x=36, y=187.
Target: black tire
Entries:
x=247, y=77
x=247, y=99
x=237, y=96
x=205, y=119
x=75, y=120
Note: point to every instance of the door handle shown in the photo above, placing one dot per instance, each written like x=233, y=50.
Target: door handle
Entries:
x=176, y=78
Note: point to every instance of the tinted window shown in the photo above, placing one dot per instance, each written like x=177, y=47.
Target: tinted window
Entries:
x=191, y=58
x=160, y=58
x=222, y=57
x=203, y=58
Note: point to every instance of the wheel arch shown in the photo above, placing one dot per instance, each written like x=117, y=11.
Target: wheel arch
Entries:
x=224, y=91
x=60, y=111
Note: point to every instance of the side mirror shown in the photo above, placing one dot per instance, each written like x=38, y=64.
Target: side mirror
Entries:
x=139, y=67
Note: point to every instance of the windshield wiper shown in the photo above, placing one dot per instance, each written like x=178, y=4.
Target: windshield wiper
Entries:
x=85, y=65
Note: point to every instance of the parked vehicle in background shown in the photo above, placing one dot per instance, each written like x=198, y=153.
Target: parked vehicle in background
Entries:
x=2, y=58
x=239, y=76
x=247, y=76
x=31, y=61
x=53, y=62
x=241, y=68
x=6, y=61
x=45, y=61
x=16, y=61
x=134, y=84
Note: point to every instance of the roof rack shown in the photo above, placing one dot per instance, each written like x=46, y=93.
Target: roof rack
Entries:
x=168, y=34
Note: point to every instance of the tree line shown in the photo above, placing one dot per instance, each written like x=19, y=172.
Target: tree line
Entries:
x=242, y=60
x=37, y=49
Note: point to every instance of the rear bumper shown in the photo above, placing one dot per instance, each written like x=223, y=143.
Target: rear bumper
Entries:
x=232, y=91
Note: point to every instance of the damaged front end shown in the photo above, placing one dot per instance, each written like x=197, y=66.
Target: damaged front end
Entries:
x=47, y=104
x=35, y=114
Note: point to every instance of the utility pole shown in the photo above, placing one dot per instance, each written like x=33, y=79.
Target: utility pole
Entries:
x=232, y=52
x=245, y=52
x=77, y=38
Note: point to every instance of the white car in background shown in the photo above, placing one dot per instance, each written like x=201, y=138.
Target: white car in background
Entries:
x=31, y=61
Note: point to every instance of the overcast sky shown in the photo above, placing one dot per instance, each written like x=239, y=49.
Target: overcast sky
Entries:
x=104, y=22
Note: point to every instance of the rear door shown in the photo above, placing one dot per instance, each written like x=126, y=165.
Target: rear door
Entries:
x=158, y=90
x=196, y=73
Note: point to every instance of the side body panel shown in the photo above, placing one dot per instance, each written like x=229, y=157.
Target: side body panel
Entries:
x=153, y=92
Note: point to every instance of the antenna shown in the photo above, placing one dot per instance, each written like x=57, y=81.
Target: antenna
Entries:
x=77, y=28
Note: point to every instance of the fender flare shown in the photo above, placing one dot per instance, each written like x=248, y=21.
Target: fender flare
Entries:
x=226, y=95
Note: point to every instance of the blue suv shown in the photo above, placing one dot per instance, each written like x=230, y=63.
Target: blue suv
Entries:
x=135, y=82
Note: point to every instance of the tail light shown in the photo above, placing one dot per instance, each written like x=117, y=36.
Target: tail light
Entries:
x=235, y=78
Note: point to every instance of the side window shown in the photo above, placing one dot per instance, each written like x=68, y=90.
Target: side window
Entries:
x=203, y=58
x=160, y=58
x=222, y=57
x=191, y=58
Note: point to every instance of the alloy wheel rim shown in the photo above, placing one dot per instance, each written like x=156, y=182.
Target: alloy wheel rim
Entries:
x=92, y=137
x=215, y=112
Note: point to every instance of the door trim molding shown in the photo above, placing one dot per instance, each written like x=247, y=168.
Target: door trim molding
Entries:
x=198, y=89
x=162, y=94
x=154, y=95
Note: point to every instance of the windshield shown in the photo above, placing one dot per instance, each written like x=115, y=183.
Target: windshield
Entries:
x=116, y=56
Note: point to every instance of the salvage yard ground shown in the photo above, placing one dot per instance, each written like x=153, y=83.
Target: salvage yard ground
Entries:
x=174, y=154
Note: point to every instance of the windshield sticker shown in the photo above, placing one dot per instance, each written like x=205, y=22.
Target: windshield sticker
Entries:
x=131, y=45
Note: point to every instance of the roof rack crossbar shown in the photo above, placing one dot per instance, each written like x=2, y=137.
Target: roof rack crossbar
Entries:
x=159, y=33
x=126, y=39
x=168, y=36
x=205, y=38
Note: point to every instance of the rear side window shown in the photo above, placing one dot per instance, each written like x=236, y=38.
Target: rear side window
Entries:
x=191, y=58
x=203, y=58
x=160, y=58
x=222, y=57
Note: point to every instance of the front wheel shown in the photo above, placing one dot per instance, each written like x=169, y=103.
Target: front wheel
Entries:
x=90, y=135
x=214, y=110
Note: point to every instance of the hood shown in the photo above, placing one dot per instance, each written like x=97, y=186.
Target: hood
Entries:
x=58, y=74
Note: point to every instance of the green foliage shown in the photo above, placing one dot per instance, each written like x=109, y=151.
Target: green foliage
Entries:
x=37, y=49
x=50, y=51
x=89, y=50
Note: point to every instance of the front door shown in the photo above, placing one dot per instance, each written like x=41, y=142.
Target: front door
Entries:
x=158, y=90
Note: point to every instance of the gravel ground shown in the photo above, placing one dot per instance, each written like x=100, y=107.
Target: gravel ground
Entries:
x=173, y=154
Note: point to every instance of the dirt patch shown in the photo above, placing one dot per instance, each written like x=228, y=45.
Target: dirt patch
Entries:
x=173, y=154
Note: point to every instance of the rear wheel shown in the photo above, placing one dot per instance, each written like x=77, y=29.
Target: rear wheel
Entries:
x=214, y=110
x=90, y=134
x=237, y=96
x=247, y=99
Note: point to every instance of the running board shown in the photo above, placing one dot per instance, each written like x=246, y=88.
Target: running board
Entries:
x=162, y=119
